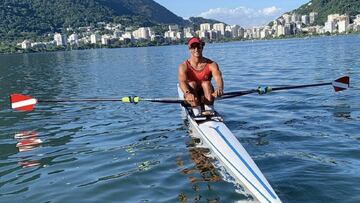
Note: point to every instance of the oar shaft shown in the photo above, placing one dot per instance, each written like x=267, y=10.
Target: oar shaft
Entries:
x=162, y=100
x=78, y=100
x=269, y=89
x=124, y=100
x=228, y=95
x=300, y=86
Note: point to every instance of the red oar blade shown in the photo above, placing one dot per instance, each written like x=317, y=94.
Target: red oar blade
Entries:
x=22, y=102
x=341, y=84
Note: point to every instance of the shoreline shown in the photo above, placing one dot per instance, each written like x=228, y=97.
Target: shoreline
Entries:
x=181, y=42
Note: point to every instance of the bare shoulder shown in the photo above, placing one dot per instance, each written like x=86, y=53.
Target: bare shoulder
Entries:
x=214, y=66
x=182, y=67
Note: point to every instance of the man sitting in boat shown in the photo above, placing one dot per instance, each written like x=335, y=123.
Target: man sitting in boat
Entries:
x=195, y=76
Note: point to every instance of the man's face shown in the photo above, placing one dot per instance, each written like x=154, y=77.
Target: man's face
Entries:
x=196, y=49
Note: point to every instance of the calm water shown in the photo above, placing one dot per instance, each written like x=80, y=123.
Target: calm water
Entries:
x=306, y=142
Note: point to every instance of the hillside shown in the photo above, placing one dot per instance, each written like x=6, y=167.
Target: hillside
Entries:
x=200, y=20
x=148, y=9
x=326, y=7
x=31, y=18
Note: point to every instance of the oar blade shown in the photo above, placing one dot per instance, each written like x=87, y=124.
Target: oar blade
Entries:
x=341, y=84
x=22, y=102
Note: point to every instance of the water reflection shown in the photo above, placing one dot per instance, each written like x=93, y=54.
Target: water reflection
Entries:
x=342, y=111
x=203, y=166
x=203, y=172
x=27, y=141
x=28, y=164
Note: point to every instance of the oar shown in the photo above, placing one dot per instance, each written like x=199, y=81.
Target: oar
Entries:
x=339, y=84
x=27, y=103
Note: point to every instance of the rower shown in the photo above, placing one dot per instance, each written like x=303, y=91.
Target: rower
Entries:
x=195, y=76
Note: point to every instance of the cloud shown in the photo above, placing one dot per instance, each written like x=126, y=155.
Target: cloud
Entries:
x=245, y=17
x=269, y=11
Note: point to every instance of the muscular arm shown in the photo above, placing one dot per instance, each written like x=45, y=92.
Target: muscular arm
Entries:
x=182, y=78
x=188, y=95
x=216, y=73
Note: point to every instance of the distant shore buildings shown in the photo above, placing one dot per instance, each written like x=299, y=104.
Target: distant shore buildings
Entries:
x=286, y=25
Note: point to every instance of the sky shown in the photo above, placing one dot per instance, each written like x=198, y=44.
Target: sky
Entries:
x=246, y=13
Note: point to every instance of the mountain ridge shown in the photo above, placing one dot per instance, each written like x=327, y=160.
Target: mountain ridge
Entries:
x=22, y=19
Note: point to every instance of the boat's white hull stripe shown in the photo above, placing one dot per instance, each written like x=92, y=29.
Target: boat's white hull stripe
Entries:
x=245, y=163
x=236, y=168
x=228, y=143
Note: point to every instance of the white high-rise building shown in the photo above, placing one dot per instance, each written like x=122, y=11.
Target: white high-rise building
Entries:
x=255, y=32
x=60, y=40
x=343, y=23
x=105, y=39
x=280, y=30
x=219, y=27
x=117, y=34
x=275, y=23
x=281, y=21
x=287, y=18
x=204, y=34
x=330, y=26
x=343, y=26
x=333, y=18
x=73, y=39
x=26, y=44
x=205, y=27
x=248, y=34
x=179, y=35
x=313, y=16
x=357, y=23
x=142, y=33
x=241, y=32
x=288, y=29
x=174, y=28
x=234, y=31
x=295, y=17
x=305, y=19
x=214, y=34
x=171, y=35
x=127, y=35
x=264, y=33
x=357, y=20
x=188, y=32
x=95, y=38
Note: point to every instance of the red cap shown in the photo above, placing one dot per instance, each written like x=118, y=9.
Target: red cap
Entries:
x=195, y=40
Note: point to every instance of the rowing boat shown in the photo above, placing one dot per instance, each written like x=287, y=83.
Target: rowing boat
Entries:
x=217, y=137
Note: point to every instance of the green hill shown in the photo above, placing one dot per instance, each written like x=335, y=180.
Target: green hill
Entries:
x=327, y=7
x=31, y=18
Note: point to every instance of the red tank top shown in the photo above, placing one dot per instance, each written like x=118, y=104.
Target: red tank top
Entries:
x=198, y=75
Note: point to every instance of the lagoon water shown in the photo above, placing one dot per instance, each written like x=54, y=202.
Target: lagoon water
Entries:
x=306, y=141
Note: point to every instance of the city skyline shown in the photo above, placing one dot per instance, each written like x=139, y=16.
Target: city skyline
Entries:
x=246, y=13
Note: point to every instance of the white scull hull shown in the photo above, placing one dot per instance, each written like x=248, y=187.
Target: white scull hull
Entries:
x=228, y=150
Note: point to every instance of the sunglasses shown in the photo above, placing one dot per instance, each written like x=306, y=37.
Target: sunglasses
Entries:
x=196, y=45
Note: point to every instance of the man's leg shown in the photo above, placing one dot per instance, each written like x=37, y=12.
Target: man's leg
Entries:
x=208, y=89
x=196, y=108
